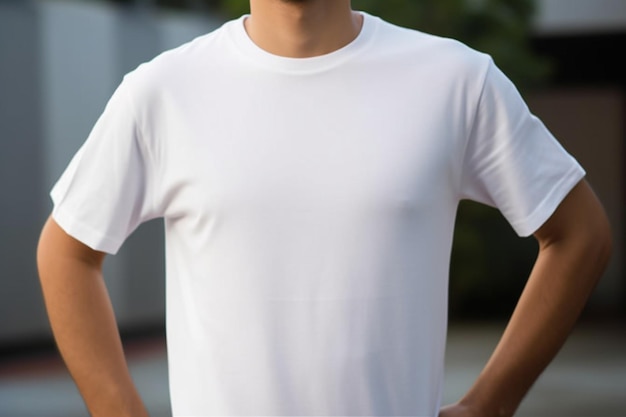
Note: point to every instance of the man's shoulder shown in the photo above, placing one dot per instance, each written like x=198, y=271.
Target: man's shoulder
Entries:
x=179, y=62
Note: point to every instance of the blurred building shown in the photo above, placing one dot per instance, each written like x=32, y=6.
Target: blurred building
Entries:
x=60, y=61
x=585, y=107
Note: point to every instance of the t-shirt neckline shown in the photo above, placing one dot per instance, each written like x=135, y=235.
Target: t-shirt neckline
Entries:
x=280, y=63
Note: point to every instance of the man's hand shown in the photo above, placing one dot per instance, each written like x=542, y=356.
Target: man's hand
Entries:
x=574, y=248
x=83, y=323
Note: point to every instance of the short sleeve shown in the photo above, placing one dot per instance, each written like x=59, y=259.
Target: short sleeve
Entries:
x=511, y=160
x=105, y=193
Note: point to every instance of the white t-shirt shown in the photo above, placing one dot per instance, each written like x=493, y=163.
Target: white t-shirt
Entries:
x=309, y=208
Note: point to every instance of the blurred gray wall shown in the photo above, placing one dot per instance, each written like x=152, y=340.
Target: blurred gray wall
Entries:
x=22, y=202
x=59, y=63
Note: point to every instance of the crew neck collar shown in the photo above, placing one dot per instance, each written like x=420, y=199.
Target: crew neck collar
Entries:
x=280, y=63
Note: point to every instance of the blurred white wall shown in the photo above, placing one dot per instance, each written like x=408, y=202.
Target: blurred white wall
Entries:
x=580, y=16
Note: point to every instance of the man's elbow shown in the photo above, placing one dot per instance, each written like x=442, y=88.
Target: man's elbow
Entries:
x=579, y=230
x=595, y=244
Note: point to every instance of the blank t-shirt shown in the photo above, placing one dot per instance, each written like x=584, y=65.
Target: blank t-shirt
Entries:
x=309, y=208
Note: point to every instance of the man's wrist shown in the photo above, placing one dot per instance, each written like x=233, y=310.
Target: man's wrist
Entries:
x=483, y=406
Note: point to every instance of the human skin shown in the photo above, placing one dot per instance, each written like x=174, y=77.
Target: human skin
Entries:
x=302, y=29
x=574, y=246
x=83, y=324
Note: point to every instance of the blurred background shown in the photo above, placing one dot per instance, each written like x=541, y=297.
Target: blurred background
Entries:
x=60, y=61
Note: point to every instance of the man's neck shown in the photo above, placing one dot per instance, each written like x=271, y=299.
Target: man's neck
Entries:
x=302, y=28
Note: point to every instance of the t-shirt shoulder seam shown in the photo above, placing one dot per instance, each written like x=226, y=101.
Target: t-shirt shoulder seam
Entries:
x=149, y=158
x=483, y=81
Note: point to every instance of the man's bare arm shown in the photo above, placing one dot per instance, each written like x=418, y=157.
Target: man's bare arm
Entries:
x=574, y=248
x=83, y=323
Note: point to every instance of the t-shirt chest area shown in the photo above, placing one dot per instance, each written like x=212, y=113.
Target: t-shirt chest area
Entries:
x=331, y=145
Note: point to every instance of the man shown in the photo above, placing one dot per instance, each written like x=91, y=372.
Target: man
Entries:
x=308, y=160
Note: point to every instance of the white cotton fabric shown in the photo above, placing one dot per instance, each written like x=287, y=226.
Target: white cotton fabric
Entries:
x=309, y=207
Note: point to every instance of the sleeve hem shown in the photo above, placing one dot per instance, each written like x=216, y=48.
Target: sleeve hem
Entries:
x=83, y=232
x=527, y=226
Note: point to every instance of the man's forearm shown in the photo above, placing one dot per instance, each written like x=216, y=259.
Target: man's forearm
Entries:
x=574, y=250
x=86, y=332
x=552, y=301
